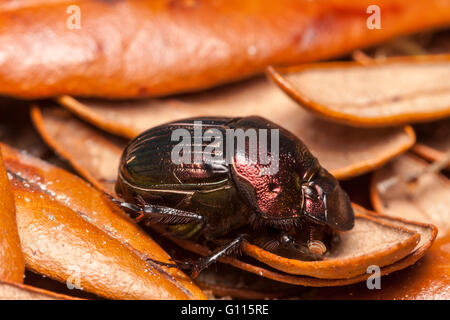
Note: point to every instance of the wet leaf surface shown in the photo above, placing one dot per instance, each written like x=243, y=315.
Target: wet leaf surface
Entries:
x=150, y=50
x=367, y=95
x=12, y=264
x=65, y=225
x=344, y=151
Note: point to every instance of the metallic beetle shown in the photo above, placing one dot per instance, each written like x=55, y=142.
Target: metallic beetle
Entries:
x=228, y=202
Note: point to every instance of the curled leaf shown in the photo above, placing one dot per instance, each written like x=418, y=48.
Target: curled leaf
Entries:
x=368, y=95
x=370, y=242
x=12, y=264
x=427, y=199
x=344, y=151
x=144, y=48
x=427, y=279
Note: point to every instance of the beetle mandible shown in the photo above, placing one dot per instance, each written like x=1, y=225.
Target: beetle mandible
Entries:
x=296, y=208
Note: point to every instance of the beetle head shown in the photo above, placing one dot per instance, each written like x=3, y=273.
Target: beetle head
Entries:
x=324, y=201
x=300, y=188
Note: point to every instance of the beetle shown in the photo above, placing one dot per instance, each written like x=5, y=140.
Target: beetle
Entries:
x=295, y=208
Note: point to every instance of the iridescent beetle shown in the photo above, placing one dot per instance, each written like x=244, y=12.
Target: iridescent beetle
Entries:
x=225, y=202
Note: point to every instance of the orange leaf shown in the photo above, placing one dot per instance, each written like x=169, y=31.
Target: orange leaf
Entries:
x=75, y=193
x=69, y=230
x=12, y=265
x=147, y=48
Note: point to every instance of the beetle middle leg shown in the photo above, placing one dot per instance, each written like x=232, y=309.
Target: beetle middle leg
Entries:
x=195, y=267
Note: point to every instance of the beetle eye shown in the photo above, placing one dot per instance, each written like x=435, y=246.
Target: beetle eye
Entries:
x=273, y=187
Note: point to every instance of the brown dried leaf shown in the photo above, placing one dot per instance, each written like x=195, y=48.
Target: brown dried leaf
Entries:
x=370, y=242
x=142, y=48
x=427, y=200
x=344, y=151
x=18, y=291
x=391, y=92
x=12, y=264
x=427, y=279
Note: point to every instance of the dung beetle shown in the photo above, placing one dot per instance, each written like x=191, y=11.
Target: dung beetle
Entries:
x=228, y=200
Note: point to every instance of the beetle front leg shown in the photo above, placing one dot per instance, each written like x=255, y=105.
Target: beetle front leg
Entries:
x=287, y=241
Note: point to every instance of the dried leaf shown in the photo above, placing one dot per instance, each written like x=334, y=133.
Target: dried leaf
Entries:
x=394, y=91
x=12, y=264
x=427, y=279
x=143, y=48
x=18, y=291
x=94, y=207
x=426, y=200
x=344, y=151
x=370, y=242
x=60, y=244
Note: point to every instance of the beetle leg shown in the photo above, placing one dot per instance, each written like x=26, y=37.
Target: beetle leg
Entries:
x=167, y=215
x=195, y=267
x=287, y=241
x=159, y=214
x=227, y=250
